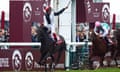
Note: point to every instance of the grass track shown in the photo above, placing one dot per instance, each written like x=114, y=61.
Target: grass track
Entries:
x=98, y=70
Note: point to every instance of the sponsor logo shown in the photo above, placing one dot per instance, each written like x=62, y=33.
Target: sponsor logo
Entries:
x=29, y=61
x=105, y=13
x=27, y=12
x=88, y=5
x=16, y=60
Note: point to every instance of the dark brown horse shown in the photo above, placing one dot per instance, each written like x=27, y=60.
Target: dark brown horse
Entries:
x=99, y=49
x=49, y=47
x=117, y=52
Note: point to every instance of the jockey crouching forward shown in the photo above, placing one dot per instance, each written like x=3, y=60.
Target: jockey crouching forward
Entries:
x=102, y=30
x=49, y=20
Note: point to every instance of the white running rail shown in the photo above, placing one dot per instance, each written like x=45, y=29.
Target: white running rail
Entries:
x=67, y=59
x=20, y=44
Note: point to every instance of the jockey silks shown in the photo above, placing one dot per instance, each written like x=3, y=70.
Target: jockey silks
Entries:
x=49, y=19
x=103, y=29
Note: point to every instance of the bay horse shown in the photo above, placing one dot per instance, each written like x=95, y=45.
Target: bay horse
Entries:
x=49, y=47
x=99, y=49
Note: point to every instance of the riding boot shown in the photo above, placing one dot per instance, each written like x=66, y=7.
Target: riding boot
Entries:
x=108, y=43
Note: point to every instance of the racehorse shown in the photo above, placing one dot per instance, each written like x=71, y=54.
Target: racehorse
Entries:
x=117, y=34
x=99, y=49
x=49, y=47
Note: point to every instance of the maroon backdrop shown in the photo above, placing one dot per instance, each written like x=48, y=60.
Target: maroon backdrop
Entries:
x=87, y=11
x=23, y=60
x=22, y=15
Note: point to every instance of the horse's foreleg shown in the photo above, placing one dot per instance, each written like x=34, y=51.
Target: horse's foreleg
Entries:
x=101, y=61
x=45, y=65
x=115, y=57
x=90, y=63
x=52, y=64
x=42, y=59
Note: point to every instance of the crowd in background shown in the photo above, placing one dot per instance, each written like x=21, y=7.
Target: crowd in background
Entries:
x=4, y=35
x=82, y=30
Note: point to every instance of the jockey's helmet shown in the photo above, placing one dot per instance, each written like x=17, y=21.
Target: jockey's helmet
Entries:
x=97, y=23
x=48, y=8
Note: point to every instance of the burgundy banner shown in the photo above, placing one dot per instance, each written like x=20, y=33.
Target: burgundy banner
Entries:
x=22, y=15
x=98, y=12
x=23, y=60
x=2, y=19
x=87, y=11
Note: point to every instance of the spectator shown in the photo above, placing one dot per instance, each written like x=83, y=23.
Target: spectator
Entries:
x=2, y=36
x=77, y=36
x=34, y=33
x=2, y=39
x=80, y=36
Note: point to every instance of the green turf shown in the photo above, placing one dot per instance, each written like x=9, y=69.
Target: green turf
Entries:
x=98, y=70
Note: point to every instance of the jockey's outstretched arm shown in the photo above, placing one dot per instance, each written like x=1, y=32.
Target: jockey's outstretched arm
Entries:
x=59, y=12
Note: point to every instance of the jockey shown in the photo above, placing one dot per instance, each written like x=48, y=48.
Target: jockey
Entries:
x=102, y=30
x=49, y=20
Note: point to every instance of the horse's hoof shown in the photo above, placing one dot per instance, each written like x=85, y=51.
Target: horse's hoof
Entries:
x=118, y=66
x=96, y=65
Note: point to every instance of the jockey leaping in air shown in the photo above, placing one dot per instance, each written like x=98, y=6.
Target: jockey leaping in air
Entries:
x=49, y=19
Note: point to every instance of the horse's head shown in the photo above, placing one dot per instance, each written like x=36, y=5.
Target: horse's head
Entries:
x=92, y=35
x=42, y=33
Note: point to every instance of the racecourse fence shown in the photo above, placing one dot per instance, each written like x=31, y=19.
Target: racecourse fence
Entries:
x=69, y=50
x=67, y=53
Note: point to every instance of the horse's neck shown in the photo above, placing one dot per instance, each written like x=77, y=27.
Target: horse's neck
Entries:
x=47, y=39
x=96, y=39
